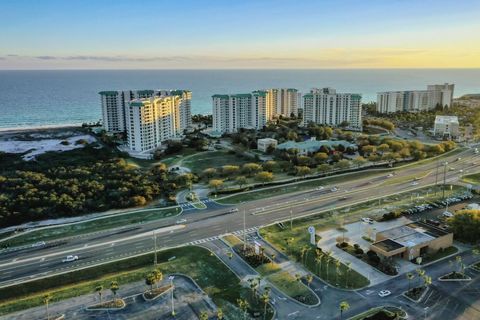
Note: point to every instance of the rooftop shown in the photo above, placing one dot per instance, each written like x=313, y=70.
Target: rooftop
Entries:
x=413, y=234
x=446, y=119
x=313, y=145
x=387, y=245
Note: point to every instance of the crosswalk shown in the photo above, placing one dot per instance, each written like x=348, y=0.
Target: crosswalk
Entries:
x=237, y=233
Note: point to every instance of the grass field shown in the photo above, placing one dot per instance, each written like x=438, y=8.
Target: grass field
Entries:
x=472, y=178
x=110, y=222
x=219, y=282
x=213, y=159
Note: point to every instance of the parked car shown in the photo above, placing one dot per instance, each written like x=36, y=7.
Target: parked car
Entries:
x=70, y=258
x=334, y=189
x=38, y=244
x=181, y=221
x=384, y=293
x=447, y=214
x=368, y=220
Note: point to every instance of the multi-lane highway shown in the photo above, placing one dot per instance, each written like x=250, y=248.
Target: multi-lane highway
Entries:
x=201, y=225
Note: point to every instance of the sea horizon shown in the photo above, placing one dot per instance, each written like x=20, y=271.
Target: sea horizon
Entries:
x=69, y=97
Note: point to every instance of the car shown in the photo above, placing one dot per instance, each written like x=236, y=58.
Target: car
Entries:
x=70, y=258
x=367, y=220
x=414, y=183
x=319, y=188
x=384, y=293
x=458, y=159
x=451, y=169
x=38, y=244
x=389, y=175
x=447, y=214
x=334, y=189
x=234, y=210
x=181, y=221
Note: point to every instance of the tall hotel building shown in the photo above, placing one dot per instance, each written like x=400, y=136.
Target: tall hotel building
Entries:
x=326, y=106
x=252, y=110
x=415, y=100
x=149, y=117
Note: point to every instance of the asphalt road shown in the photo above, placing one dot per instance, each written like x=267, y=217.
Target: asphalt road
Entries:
x=201, y=225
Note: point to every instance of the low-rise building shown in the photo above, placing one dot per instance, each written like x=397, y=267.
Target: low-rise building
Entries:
x=313, y=145
x=264, y=144
x=446, y=126
x=411, y=241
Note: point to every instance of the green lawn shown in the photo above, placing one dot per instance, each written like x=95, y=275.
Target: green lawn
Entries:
x=472, y=178
x=232, y=240
x=132, y=218
x=289, y=285
x=213, y=159
x=378, y=311
x=219, y=282
x=440, y=254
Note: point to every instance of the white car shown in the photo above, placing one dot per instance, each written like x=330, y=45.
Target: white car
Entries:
x=384, y=293
x=38, y=244
x=368, y=220
x=389, y=175
x=447, y=214
x=320, y=188
x=70, y=258
x=334, y=189
x=414, y=183
x=234, y=210
x=181, y=221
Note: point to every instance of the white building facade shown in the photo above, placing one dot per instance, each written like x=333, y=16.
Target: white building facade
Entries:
x=326, y=106
x=283, y=102
x=416, y=100
x=446, y=126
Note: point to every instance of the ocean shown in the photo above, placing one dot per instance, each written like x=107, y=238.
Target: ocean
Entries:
x=66, y=97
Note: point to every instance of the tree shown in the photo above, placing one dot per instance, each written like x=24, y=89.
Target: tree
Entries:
x=215, y=184
x=114, y=288
x=368, y=149
x=344, y=306
x=265, y=299
x=320, y=157
x=251, y=168
x=209, y=172
x=309, y=279
x=99, y=291
x=203, y=315
x=264, y=177
x=150, y=280
x=410, y=277
x=342, y=164
x=324, y=168
x=349, y=268
x=465, y=224
x=303, y=160
x=269, y=165
x=302, y=170
x=46, y=300
x=230, y=170
x=158, y=276
x=243, y=305
x=219, y=314
x=241, y=181
x=359, y=161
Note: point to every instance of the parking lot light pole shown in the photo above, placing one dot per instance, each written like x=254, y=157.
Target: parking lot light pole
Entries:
x=444, y=178
x=154, y=249
x=425, y=310
x=173, y=288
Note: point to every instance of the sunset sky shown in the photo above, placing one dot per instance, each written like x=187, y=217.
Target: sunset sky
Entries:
x=239, y=34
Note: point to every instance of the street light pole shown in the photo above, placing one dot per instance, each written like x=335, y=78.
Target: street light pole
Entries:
x=436, y=179
x=173, y=288
x=244, y=232
x=155, y=249
x=444, y=178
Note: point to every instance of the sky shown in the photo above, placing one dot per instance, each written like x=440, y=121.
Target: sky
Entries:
x=231, y=34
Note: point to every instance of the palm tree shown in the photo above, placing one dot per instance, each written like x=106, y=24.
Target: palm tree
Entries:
x=410, y=277
x=230, y=255
x=309, y=279
x=150, y=280
x=349, y=268
x=158, y=275
x=420, y=273
x=328, y=258
x=203, y=315
x=99, y=290
x=243, y=305
x=427, y=281
x=318, y=260
x=344, y=306
x=298, y=277
x=219, y=314
x=458, y=260
x=114, y=288
x=302, y=253
x=337, y=267
x=273, y=257
x=46, y=300
x=265, y=299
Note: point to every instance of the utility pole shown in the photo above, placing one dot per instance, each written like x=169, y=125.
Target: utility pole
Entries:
x=444, y=178
x=155, y=249
x=244, y=233
x=436, y=179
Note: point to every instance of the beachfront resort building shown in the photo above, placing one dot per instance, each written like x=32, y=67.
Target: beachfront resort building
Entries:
x=232, y=112
x=326, y=106
x=440, y=95
x=446, y=127
x=411, y=241
x=148, y=117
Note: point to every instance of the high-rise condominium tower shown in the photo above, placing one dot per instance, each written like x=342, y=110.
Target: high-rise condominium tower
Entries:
x=326, y=106
x=416, y=100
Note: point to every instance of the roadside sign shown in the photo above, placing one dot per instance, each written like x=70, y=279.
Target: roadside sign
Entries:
x=311, y=229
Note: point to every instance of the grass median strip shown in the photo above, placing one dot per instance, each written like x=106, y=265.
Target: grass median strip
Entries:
x=75, y=229
x=219, y=282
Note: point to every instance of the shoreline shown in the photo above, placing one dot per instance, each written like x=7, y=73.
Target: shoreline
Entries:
x=13, y=130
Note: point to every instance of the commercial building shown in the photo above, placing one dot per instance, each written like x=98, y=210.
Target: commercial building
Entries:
x=446, y=126
x=326, y=106
x=313, y=145
x=411, y=241
x=264, y=144
x=415, y=100
x=115, y=103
